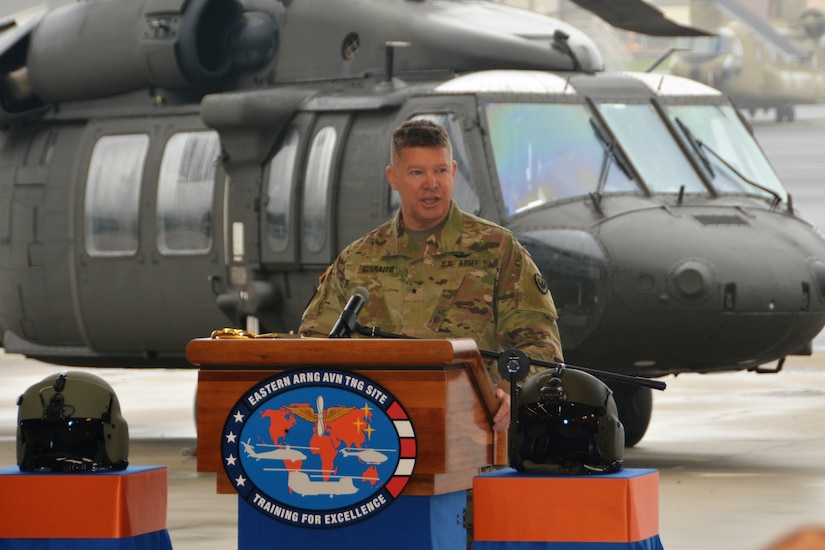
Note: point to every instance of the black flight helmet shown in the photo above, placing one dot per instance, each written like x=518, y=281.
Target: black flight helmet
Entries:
x=71, y=422
x=565, y=422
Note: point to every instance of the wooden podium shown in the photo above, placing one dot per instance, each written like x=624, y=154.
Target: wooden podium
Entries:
x=443, y=385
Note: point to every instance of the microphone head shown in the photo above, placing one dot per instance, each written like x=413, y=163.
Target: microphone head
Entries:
x=346, y=321
x=362, y=292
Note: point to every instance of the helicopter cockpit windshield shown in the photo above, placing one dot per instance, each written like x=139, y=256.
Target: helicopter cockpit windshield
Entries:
x=651, y=147
x=537, y=165
x=735, y=160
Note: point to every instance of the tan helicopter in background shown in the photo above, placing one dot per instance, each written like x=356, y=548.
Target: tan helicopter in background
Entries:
x=772, y=62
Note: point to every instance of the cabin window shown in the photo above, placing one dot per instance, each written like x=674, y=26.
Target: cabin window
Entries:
x=316, y=189
x=113, y=195
x=279, y=193
x=549, y=152
x=185, y=193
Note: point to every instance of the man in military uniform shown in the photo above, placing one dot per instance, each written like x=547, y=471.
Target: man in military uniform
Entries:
x=434, y=271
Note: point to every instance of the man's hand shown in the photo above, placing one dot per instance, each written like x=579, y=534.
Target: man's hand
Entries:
x=501, y=420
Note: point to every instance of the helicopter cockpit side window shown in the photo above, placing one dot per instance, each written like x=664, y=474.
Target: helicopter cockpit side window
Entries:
x=279, y=193
x=186, y=193
x=546, y=152
x=734, y=156
x=464, y=192
x=112, y=198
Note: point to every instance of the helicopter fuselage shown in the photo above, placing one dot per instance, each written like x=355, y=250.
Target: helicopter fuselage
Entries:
x=132, y=232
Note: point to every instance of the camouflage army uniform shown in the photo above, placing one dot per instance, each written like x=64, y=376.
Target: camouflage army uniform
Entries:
x=471, y=279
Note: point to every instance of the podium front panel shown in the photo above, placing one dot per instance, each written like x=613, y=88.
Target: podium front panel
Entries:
x=452, y=429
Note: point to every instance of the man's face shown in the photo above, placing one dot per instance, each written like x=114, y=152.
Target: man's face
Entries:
x=424, y=178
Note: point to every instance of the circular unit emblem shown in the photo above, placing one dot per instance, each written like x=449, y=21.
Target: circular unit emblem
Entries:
x=318, y=448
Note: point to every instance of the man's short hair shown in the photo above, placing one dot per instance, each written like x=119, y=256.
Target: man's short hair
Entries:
x=419, y=133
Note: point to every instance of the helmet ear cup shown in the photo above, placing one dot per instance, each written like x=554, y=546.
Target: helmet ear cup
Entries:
x=537, y=448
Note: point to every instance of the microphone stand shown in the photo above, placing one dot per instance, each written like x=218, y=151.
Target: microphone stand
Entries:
x=375, y=332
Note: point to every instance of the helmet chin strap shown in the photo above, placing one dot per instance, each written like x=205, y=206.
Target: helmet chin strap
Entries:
x=534, y=468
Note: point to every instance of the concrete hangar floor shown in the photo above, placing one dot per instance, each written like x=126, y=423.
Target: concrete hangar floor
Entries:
x=740, y=455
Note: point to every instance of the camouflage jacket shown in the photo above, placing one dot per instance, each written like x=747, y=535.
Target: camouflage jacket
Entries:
x=470, y=279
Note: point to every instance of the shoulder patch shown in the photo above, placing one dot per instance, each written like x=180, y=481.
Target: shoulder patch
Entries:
x=541, y=283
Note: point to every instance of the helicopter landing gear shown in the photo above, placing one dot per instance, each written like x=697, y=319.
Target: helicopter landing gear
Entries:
x=785, y=113
x=635, y=406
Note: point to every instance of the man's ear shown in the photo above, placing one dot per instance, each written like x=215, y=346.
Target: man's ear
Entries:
x=391, y=176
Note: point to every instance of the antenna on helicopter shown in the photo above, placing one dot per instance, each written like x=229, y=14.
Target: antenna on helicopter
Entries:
x=659, y=60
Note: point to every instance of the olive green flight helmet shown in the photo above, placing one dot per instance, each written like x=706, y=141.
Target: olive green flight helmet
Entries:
x=71, y=422
x=565, y=421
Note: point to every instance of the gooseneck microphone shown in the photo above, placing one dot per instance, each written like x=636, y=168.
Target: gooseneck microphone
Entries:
x=346, y=321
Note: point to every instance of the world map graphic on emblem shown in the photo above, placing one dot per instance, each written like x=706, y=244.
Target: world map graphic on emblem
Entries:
x=318, y=448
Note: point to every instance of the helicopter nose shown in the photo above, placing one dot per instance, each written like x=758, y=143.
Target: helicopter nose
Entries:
x=716, y=289
x=709, y=289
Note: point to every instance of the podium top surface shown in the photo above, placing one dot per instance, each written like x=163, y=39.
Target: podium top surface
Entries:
x=356, y=352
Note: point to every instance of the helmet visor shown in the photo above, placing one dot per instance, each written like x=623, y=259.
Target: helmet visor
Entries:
x=568, y=420
x=560, y=432
x=54, y=442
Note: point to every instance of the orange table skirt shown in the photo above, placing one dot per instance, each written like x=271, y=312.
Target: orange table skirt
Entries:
x=96, y=505
x=622, y=507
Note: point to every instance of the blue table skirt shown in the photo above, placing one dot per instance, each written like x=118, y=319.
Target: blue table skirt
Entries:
x=410, y=523
x=158, y=540
x=653, y=543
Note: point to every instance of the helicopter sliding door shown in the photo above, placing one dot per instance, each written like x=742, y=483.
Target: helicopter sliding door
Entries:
x=149, y=244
